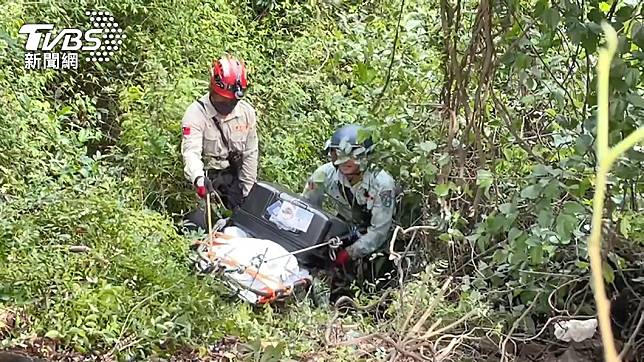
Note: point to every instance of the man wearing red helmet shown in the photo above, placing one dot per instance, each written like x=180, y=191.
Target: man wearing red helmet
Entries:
x=220, y=136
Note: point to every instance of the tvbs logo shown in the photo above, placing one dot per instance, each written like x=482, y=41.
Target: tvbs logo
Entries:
x=49, y=50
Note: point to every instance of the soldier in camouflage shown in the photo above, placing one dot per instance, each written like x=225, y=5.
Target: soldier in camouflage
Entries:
x=365, y=196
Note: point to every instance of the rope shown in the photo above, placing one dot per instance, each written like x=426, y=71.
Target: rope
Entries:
x=334, y=243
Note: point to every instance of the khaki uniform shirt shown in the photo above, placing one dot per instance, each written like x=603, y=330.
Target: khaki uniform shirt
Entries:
x=203, y=149
x=375, y=191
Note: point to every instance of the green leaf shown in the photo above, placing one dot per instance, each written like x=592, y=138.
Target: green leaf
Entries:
x=625, y=225
x=443, y=160
x=624, y=13
x=53, y=334
x=398, y=145
x=508, y=209
x=552, y=190
x=364, y=72
x=442, y=190
x=565, y=226
x=428, y=146
x=531, y=192
x=522, y=61
x=513, y=234
x=595, y=15
x=635, y=99
x=540, y=7
x=582, y=265
x=571, y=9
x=413, y=24
x=77, y=331
x=65, y=111
x=518, y=252
x=545, y=218
x=499, y=256
x=573, y=207
x=456, y=234
x=505, y=208
x=609, y=273
x=638, y=34
x=582, y=145
x=594, y=27
x=541, y=170
x=631, y=77
x=528, y=100
x=589, y=38
x=429, y=171
x=536, y=254
x=551, y=17
x=484, y=178
x=576, y=31
x=496, y=223
x=445, y=237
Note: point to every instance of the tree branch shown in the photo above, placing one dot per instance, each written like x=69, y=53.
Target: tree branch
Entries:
x=505, y=116
x=534, y=49
x=391, y=61
x=631, y=340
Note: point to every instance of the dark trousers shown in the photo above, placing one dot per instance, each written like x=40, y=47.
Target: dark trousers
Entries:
x=229, y=188
x=371, y=273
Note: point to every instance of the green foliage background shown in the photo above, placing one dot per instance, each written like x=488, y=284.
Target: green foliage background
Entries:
x=91, y=157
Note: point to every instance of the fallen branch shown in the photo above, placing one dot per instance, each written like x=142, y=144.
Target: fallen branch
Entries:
x=464, y=318
x=516, y=324
x=631, y=340
x=394, y=255
x=79, y=248
x=346, y=300
x=429, y=310
x=556, y=290
x=402, y=349
x=442, y=354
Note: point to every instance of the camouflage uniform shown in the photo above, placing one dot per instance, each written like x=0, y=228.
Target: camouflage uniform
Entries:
x=372, y=198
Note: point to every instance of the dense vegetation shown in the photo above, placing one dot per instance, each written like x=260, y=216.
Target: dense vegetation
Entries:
x=485, y=111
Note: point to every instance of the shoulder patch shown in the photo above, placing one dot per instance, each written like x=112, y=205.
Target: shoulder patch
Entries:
x=386, y=197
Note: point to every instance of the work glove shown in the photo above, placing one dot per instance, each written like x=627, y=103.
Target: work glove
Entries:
x=342, y=257
x=201, y=187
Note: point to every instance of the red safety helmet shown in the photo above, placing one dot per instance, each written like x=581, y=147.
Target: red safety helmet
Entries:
x=228, y=77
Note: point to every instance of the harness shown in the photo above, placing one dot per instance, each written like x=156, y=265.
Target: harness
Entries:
x=359, y=213
x=234, y=156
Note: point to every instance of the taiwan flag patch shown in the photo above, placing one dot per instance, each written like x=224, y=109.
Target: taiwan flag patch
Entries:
x=186, y=131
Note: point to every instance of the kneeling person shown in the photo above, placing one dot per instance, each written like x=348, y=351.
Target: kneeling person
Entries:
x=365, y=195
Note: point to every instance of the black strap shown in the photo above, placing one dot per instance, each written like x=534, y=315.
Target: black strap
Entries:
x=216, y=121
x=359, y=211
x=351, y=199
